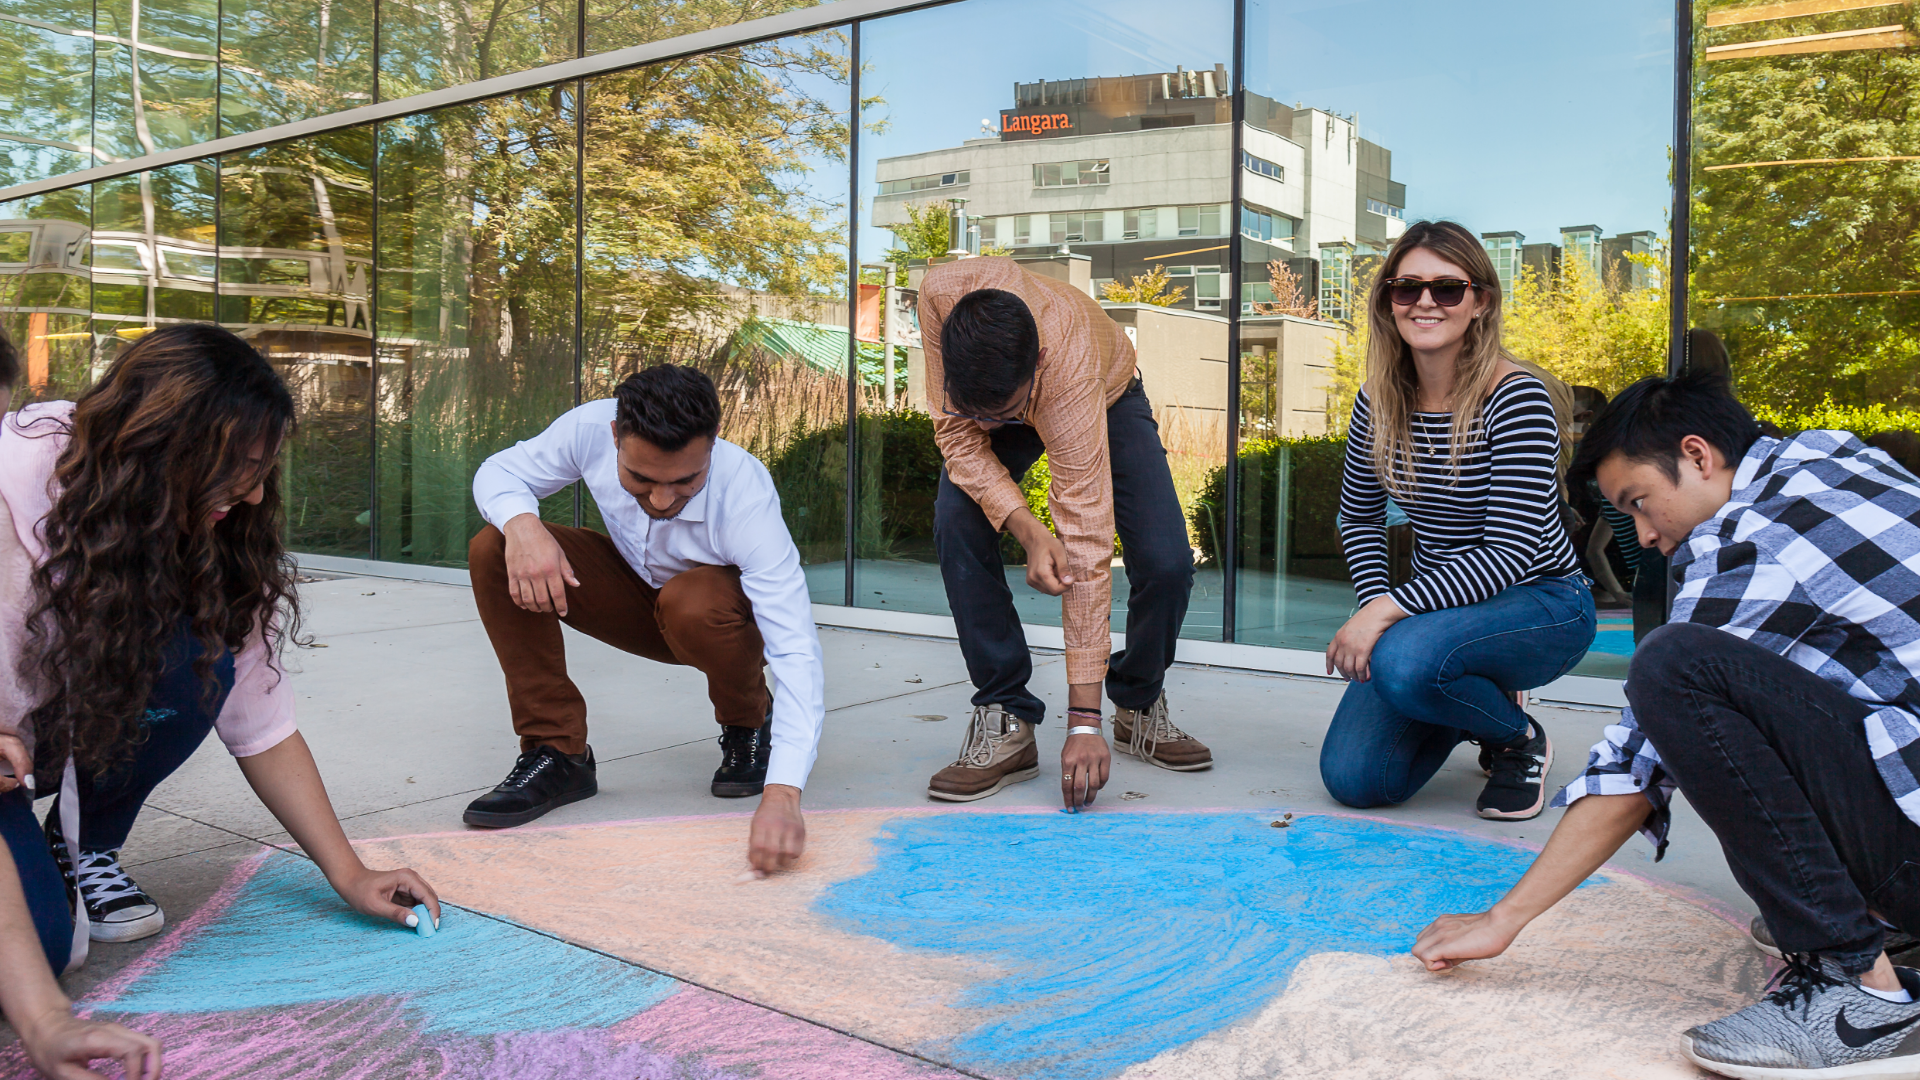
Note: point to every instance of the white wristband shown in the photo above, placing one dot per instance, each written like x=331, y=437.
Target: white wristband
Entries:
x=1083, y=730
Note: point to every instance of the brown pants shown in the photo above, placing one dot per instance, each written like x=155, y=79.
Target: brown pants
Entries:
x=701, y=619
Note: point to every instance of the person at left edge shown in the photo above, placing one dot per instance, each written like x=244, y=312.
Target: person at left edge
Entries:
x=696, y=568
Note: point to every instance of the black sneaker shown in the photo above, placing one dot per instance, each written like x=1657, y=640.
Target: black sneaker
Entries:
x=1515, y=788
x=743, y=761
x=117, y=908
x=542, y=779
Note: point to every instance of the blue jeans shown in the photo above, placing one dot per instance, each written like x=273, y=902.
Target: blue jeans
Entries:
x=1446, y=676
x=177, y=721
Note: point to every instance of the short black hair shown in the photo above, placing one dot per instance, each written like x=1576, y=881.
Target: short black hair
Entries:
x=667, y=405
x=989, y=346
x=9, y=362
x=1647, y=420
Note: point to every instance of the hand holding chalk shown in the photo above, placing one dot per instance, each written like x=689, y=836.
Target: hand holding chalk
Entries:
x=421, y=920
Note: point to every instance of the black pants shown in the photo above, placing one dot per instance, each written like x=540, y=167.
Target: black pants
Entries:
x=177, y=721
x=1775, y=759
x=1153, y=541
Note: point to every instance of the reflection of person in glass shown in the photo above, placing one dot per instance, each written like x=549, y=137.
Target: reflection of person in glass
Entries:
x=696, y=568
x=1467, y=443
x=1784, y=699
x=1018, y=366
x=144, y=593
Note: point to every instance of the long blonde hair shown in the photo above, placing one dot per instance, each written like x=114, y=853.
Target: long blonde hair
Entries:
x=1393, y=383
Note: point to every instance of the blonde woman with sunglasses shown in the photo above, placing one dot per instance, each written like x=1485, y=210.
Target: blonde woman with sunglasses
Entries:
x=1466, y=442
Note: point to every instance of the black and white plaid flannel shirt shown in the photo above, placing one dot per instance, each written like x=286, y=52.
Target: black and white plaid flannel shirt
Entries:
x=1815, y=557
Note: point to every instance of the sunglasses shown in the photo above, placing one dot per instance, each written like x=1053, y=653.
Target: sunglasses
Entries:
x=1447, y=292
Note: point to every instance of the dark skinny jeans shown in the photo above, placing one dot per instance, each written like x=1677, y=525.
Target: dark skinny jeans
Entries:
x=1775, y=760
x=177, y=721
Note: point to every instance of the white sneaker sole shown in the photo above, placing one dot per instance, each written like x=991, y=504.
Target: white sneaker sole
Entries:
x=1011, y=778
x=1906, y=1067
x=126, y=930
x=1539, y=803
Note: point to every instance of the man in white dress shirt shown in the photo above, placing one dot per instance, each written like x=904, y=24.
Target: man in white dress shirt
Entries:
x=696, y=568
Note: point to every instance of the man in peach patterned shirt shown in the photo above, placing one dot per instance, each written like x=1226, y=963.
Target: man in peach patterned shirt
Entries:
x=1020, y=365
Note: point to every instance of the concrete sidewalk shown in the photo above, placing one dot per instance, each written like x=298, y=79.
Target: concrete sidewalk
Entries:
x=403, y=704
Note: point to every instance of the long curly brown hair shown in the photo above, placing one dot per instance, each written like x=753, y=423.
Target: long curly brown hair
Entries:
x=187, y=420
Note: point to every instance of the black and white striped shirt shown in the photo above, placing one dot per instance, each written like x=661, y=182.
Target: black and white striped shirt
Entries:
x=1496, y=524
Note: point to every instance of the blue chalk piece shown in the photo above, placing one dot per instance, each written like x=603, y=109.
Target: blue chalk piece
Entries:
x=425, y=929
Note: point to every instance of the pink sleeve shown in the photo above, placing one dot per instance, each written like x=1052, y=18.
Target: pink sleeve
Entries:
x=259, y=712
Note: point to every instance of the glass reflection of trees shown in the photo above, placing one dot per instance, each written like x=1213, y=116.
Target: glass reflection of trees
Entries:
x=296, y=259
x=707, y=243
x=477, y=280
x=1805, y=232
x=46, y=89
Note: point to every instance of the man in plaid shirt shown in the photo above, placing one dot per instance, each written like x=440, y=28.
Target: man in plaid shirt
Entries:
x=1784, y=699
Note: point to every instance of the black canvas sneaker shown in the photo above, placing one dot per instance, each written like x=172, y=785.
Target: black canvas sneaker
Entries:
x=119, y=910
x=1515, y=788
x=1818, y=1025
x=743, y=761
x=543, y=778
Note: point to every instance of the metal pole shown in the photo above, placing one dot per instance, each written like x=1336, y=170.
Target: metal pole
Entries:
x=1227, y=542
x=853, y=300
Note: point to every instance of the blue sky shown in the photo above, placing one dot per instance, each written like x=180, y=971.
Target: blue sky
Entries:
x=1503, y=114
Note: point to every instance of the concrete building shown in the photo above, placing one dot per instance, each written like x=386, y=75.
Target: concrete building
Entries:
x=1131, y=172
x=1605, y=259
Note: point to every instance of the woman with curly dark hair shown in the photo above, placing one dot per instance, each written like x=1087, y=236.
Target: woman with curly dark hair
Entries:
x=145, y=595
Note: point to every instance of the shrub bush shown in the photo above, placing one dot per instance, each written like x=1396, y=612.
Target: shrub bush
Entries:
x=1311, y=467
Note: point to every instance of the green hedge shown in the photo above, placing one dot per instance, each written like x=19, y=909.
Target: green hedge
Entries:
x=1309, y=470
x=899, y=478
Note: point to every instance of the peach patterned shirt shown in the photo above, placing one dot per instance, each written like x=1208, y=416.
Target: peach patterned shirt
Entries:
x=1089, y=362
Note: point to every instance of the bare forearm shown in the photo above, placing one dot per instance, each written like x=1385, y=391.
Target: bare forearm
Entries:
x=1588, y=835
x=289, y=785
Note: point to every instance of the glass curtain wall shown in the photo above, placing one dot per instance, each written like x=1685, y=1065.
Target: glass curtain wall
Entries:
x=287, y=60
x=1094, y=146
x=46, y=289
x=46, y=89
x=296, y=263
x=716, y=230
x=1805, y=258
x=527, y=252
x=476, y=297
x=1499, y=123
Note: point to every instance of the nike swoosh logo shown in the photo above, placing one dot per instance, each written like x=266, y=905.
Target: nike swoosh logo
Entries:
x=1856, y=1038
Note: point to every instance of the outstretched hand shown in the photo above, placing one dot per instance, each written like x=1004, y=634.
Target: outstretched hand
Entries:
x=1451, y=939
x=61, y=1047
x=778, y=836
x=388, y=894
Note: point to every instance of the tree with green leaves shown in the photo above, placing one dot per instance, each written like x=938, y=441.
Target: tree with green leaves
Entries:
x=1148, y=288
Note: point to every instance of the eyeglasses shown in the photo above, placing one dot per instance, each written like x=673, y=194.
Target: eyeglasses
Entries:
x=1447, y=292
x=1033, y=387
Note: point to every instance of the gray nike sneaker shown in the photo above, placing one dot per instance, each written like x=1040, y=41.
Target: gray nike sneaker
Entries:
x=1817, y=1024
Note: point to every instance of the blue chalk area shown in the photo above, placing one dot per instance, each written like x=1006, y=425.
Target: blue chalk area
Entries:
x=289, y=940
x=1125, y=935
x=1615, y=638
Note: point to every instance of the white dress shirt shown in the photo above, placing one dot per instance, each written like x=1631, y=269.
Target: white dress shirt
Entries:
x=733, y=521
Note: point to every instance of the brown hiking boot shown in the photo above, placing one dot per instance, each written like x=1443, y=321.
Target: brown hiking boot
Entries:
x=999, y=751
x=1148, y=735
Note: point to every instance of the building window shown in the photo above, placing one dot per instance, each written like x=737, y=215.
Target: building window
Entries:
x=1022, y=230
x=1377, y=207
x=1070, y=173
x=1206, y=284
x=1076, y=227
x=1263, y=167
x=1201, y=221
x=1139, y=224
x=924, y=183
x=1264, y=225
